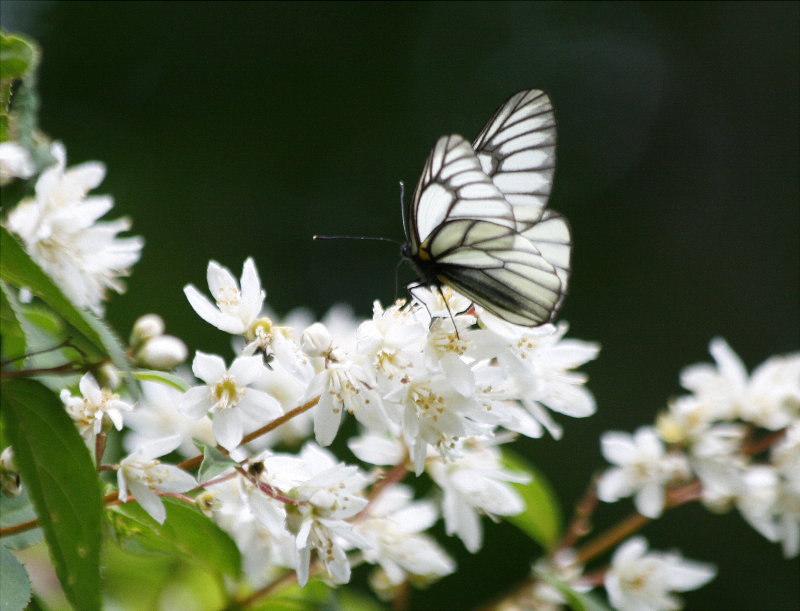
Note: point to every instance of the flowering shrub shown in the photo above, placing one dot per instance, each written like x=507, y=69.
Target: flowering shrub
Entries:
x=229, y=462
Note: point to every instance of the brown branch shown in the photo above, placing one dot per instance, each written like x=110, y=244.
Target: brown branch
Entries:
x=753, y=447
x=65, y=369
x=280, y=420
x=193, y=463
x=610, y=537
x=581, y=522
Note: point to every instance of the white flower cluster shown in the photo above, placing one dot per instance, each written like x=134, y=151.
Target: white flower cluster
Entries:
x=60, y=230
x=639, y=580
x=738, y=434
x=636, y=579
x=434, y=389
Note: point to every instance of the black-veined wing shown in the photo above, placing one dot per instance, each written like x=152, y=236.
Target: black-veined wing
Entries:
x=498, y=268
x=453, y=186
x=478, y=219
x=517, y=150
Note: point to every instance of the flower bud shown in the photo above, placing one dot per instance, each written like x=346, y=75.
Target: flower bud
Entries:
x=9, y=477
x=146, y=327
x=317, y=340
x=107, y=375
x=163, y=352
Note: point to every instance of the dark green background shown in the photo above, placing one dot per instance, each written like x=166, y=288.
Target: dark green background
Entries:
x=236, y=129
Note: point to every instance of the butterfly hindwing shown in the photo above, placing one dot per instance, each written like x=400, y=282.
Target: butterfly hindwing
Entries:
x=497, y=268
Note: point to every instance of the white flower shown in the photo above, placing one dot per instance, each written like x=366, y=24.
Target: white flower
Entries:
x=327, y=493
x=434, y=414
x=719, y=386
x=157, y=416
x=15, y=162
x=377, y=448
x=94, y=406
x=540, y=361
x=786, y=458
x=392, y=341
x=642, y=468
x=226, y=393
x=140, y=474
x=344, y=384
x=760, y=486
x=394, y=530
x=60, y=230
x=687, y=418
x=642, y=581
x=564, y=567
x=473, y=485
x=772, y=397
x=266, y=552
x=282, y=384
x=339, y=320
x=716, y=458
x=235, y=310
x=442, y=302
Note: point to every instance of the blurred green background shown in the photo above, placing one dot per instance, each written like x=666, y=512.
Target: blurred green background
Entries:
x=236, y=129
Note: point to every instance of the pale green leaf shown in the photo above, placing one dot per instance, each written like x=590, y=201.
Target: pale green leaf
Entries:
x=186, y=532
x=15, y=587
x=170, y=379
x=18, y=269
x=214, y=462
x=541, y=520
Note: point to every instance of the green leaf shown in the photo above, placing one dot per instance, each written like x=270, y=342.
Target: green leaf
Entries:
x=18, y=56
x=541, y=520
x=60, y=476
x=10, y=325
x=15, y=587
x=43, y=334
x=214, y=462
x=186, y=531
x=314, y=596
x=18, y=269
x=170, y=379
x=135, y=581
x=18, y=510
x=577, y=601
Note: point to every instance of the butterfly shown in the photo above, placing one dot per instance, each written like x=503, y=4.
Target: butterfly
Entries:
x=478, y=220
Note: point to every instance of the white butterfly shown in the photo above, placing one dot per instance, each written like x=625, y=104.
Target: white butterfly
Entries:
x=478, y=220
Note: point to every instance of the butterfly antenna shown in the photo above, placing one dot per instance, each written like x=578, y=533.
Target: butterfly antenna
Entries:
x=356, y=237
x=403, y=207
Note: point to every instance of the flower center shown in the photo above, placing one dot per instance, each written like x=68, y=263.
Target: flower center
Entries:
x=226, y=393
x=428, y=403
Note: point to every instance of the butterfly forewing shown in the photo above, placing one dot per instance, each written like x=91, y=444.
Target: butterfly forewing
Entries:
x=516, y=149
x=453, y=186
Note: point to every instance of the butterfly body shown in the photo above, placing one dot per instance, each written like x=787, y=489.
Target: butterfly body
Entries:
x=478, y=220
